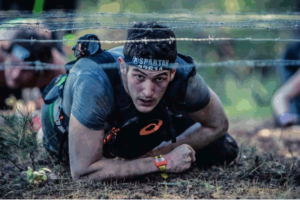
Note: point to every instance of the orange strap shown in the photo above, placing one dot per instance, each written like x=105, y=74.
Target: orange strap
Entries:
x=112, y=132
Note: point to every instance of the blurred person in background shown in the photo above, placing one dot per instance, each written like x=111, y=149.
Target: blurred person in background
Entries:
x=19, y=83
x=286, y=100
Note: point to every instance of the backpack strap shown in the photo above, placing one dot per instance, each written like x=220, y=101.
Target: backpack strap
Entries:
x=54, y=90
x=175, y=98
x=183, y=82
x=69, y=66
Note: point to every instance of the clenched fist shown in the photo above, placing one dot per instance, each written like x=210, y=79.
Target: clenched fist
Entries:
x=180, y=159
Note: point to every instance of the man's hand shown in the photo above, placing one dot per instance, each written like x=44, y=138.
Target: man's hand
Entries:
x=287, y=119
x=180, y=159
x=281, y=101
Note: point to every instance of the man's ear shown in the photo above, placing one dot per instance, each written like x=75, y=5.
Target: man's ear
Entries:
x=122, y=63
x=173, y=71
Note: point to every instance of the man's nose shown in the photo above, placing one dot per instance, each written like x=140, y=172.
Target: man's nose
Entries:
x=148, y=88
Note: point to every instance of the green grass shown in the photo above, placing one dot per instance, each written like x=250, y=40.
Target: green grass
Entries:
x=244, y=92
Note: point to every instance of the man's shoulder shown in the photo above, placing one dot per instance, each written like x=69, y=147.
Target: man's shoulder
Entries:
x=97, y=62
x=84, y=65
x=86, y=72
x=116, y=52
x=104, y=58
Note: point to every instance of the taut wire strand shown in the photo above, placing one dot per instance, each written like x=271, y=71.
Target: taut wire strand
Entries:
x=210, y=39
x=228, y=63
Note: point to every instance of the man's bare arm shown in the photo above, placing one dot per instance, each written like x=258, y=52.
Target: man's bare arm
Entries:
x=85, y=148
x=214, y=124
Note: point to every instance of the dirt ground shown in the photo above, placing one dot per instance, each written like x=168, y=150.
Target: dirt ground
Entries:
x=268, y=167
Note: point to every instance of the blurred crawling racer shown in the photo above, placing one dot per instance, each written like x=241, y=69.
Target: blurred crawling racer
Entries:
x=149, y=102
x=13, y=79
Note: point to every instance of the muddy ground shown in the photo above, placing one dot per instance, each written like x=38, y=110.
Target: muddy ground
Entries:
x=267, y=167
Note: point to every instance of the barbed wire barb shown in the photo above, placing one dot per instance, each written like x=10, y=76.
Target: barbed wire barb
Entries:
x=32, y=41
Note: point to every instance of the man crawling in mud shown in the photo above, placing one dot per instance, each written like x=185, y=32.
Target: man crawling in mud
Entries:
x=135, y=110
x=17, y=56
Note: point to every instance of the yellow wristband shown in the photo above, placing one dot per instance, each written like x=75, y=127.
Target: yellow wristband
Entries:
x=162, y=168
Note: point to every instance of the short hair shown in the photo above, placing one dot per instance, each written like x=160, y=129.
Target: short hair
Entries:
x=28, y=34
x=166, y=50
x=40, y=51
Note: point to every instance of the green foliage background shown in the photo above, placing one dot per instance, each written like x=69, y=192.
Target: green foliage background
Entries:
x=244, y=91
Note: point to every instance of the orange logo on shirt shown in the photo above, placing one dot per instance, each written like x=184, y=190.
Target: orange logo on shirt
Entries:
x=151, y=128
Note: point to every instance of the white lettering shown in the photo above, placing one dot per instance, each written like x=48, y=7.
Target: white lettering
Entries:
x=167, y=63
x=141, y=61
x=135, y=60
x=150, y=64
x=145, y=61
x=159, y=63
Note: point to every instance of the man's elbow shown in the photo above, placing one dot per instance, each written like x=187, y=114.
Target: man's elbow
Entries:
x=223, y=127
x=81, y=176
x=88, y=173
x=75, y=174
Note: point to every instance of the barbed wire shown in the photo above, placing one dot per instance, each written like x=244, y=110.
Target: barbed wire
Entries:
x=248, y=22
x=145, y=40
x=48, y=14
x=152, y=29
x=229, y=63
x=250, y=63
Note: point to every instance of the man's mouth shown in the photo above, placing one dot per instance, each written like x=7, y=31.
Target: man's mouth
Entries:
x=144, y=102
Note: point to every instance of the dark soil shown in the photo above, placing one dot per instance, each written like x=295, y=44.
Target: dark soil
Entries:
x=267, y=167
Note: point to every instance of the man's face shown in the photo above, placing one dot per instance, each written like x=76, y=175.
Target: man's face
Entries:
x=15, y=76
x=146, y=87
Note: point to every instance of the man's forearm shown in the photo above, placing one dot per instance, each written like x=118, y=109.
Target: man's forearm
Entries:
x=286, y=92
x=195, y=136
x=198, y=136
x=280, y=104
x=109, y=169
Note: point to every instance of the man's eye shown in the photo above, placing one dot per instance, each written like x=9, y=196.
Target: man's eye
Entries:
x=139, y=77
x=159, y=79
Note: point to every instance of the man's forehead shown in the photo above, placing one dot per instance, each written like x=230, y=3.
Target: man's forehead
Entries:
x=149, y=72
